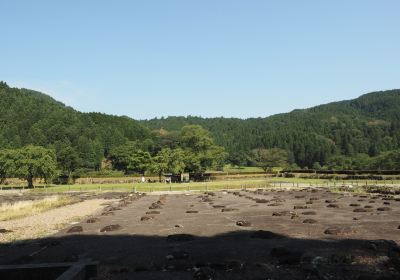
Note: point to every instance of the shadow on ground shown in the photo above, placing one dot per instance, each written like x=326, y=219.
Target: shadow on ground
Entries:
x=235, y=255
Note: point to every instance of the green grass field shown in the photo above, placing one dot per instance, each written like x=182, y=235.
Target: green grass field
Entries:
x=203, y=186
x=150, y=187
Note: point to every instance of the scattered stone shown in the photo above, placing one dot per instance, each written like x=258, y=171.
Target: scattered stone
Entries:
x=309, y=221
x=362, y=210
x=229, y=209
x=314, y=198
x=356, y=218
x=277, y=199
x=330, y=201
x=300, y=207
x=180, y=238
x=107, y=214
x=368, y=207
x=309, y=202
x=146, y=218
x=383, y=209
x=218, y=206
x=206, y=199
x=275, y=204
x=307, y=213
x=243, y=223
x=179, y=226
x=110, y=228
x=332, y=206
x=152, y=212
x=178, y=255
x=262, y=234
x=386, y=203
x=299, y=196
x=3, y=230
x=204, y=273
x=192, y=212
x=155, y=206
x=294, y=215
x=354, y=205
x=281, y=213
x=92, y=220
x=75, y=229
x=339, y=231
x=262, y=201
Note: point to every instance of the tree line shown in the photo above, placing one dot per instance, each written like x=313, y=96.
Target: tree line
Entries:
x=368, y=125
x=193, y=150
x=363, y=133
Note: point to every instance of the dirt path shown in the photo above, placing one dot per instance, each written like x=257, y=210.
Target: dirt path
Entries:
x=49, y=222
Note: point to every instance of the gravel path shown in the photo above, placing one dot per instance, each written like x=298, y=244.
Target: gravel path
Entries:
x=49, y=222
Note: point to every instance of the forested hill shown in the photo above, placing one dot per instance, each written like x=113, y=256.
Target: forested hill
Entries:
x=369, y=124
x=30, y=117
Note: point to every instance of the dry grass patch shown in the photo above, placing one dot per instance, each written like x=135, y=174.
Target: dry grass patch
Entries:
x=23, y=209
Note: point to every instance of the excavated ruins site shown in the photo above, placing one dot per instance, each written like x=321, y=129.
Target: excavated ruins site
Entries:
x=310, y=233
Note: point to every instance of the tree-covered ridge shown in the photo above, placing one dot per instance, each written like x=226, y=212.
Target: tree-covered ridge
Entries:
x=30, y=117
x=368, y=125
x=328, y=135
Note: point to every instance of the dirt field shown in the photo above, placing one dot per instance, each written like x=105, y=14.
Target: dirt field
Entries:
x=302, y=234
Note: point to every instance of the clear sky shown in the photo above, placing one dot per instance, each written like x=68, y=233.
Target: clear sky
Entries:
x=210, y=58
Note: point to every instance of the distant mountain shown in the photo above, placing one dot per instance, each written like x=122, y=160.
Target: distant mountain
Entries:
x=369, y=124
x=31, y=117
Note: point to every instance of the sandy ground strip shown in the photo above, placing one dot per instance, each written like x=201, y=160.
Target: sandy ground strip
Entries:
x=49, y=222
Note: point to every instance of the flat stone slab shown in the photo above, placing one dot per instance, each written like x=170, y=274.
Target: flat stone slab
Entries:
x=111, y=228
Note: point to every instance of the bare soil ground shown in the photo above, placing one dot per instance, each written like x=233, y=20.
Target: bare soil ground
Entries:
x=264, y=234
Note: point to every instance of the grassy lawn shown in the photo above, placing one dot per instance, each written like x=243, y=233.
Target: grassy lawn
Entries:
x=203, y=186
x=149, y=187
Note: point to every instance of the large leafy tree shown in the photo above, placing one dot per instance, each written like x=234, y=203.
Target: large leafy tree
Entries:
x=168, y=161
x=139, y=162
x=270, y=158
x=238, y=158
x=388, y=161
x=29, y=163
x=201, y=151
x=7, y=164
x=68, y=160
x=129, y=158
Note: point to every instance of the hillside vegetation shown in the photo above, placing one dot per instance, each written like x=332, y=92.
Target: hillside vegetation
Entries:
x=335, y=135
x=30, y=117
x=368, y=125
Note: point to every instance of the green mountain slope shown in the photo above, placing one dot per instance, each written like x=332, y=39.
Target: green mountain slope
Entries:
x=369, y=124
x=30, y=117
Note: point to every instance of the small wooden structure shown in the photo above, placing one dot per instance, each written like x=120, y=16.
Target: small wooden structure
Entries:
x=177, y=178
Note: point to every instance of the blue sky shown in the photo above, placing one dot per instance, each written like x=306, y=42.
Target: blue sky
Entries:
x=210, y=58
